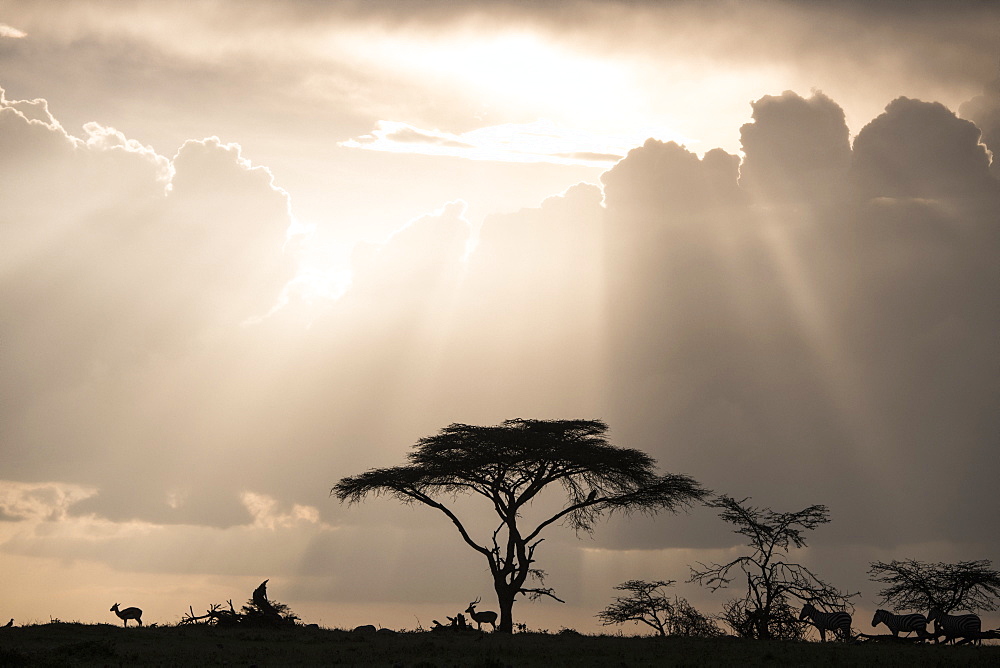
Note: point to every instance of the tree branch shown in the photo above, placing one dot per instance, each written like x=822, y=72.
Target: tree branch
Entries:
x=423, y=498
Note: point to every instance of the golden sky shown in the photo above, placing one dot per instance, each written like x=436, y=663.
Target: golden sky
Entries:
x=248, y=248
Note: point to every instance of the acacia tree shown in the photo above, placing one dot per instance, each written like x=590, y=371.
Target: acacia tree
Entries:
x=765, y=611
x=649, y=604
x=917, y=585
x=509, y=465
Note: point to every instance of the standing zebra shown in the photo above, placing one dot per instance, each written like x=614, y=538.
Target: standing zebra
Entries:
x=953, y=627
x=906, y=623
x=838, y=622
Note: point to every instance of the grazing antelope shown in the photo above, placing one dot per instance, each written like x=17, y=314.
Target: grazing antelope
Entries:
x=838, y=621
x=487, y=616
x=127, y=614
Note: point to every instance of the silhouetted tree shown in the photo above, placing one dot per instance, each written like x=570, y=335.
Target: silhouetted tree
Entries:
x=782, y=623
x=648, y=603
x=689, y=622
x=917, y=585
x=509, y=465
x=765, y=612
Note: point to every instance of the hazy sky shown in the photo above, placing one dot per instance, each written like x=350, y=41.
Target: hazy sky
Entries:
x=248, y=248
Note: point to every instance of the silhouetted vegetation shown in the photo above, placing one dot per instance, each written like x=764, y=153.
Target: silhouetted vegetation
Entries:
x=746, y=620
x=647, y=603
x=765, y=612
x=509, y=465
x=918, y=585
x=258, y=612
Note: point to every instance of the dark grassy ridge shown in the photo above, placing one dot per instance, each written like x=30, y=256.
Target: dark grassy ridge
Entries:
x=62, y=644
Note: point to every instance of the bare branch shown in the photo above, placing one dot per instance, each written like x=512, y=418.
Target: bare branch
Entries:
x=536, y=593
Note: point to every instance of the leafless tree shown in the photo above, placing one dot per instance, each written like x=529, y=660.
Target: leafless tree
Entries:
x=772, y=581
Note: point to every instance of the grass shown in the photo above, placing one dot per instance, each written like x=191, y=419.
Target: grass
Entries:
x=62, y=644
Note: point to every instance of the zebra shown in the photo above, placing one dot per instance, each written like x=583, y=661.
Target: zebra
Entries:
x=838, y=621
x=906, y=623
x=952, y=627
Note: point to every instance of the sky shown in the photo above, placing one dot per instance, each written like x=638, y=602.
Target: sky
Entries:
x=249, y=248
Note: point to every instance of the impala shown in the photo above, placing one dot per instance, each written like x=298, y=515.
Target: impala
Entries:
x=487, y=616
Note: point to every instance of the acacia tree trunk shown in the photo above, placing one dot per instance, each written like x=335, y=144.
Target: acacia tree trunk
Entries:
x=764, y=625
x=505, y=599
x=510, y=570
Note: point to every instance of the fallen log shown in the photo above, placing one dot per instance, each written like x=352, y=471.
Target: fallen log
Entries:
x=259, y=612
x=902, y=640
x=216, y=615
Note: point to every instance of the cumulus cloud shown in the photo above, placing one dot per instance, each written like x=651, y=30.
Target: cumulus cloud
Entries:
x=795, y=148
x=118, y=262
x=921, y=149
x=668, y=182
x=833, y=351
x=984, y=111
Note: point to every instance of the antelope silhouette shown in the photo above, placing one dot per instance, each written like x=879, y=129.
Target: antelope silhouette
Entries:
x=486, y=616
x=127, y=614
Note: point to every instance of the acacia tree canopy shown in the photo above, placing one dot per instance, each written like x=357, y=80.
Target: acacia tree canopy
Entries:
x=918, y=585
x=509, y=465
x=648, y=603
x=764, y=612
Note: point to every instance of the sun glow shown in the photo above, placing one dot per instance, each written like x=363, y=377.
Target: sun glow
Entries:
x=513, y=70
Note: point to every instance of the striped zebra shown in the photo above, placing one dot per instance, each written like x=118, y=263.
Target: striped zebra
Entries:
x=838, y=622
x=953, y=627
x=906, y=623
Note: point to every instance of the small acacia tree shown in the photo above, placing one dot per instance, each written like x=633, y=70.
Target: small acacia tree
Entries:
x=782, y=622
x=765, y=611
x=917, y=585
x=509, y=465
x=648, y=603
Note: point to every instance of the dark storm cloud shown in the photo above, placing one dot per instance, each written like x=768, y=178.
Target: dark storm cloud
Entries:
x=796, y=148
x=661, y=180
x=818, y=350
x=921, y=149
